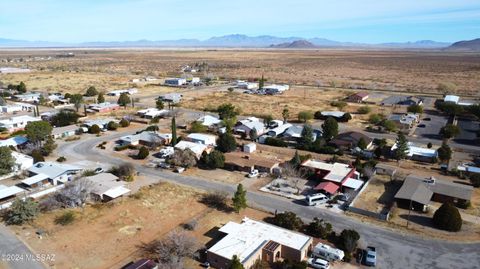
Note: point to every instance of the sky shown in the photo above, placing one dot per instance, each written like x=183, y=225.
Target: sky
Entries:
x=365, y=21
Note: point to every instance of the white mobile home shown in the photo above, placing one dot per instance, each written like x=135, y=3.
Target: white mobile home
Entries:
x=17, y=123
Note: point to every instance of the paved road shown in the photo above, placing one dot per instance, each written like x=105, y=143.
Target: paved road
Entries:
x=396, y=250
x=14, y=254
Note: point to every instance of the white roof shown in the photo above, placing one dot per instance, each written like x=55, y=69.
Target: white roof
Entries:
x=208, y=120
x=337, y=171
x=247, y=237
x=64, y=129
x=132, y=90
x=53, y=170
x=147, y=136
x=352, y=183
x=279, y=130
x=337, y=114
x=451, y=98
x=99, y=122
x=116, y=192
x=19, y=119
x=419, y=151
x=35, y=179
x=197, y=148
x=9, y=191
x=202, y=137
x=103, y=105
x=104, y=183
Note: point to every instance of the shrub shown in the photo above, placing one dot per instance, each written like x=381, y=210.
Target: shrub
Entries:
x=340, y=104
x=124, y=123
x=475, y=180
x=448, y=218
x=61, y=159
x=94, y=129
x=319, y=228
x=226, y=143
x=376, y=118
x=21, y=211
x=364, y=110
x=120, y=148
x=125, y=171
x=112, y=126
x=143, y=153
x=347, y=241
x=37, y=156
x=65, y=219
x=272, y=141
x=305, y=116
x=191, y=225
x=287, y=220
x=214, y=160
x=216, y=200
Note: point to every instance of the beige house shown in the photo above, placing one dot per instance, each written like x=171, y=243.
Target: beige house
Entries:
x=254, y=240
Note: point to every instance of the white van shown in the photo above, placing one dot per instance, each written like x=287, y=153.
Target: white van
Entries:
x=328, y=253
x=316, y=199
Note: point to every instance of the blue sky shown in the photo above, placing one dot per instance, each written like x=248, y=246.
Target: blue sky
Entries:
x=343, y=20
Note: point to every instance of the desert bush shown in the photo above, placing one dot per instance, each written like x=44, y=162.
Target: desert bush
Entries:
x=287, y=220
x=75, y=194
x=94, y=129
x=65, y=218
x=143, y=153
x=124, y=123
x=364, y=110
x=125, y=171
x=61, y=159
x=112, y=126
x=21, y=211
x=191, y=225
x=217, y=200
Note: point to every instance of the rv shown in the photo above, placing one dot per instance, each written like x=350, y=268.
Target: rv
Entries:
x=316, y=199
x=328, y=253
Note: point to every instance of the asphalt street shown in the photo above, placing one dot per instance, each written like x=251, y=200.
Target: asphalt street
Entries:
x=395, y=249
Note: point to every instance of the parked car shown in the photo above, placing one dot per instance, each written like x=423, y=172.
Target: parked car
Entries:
x=164, y=165
x=98, y=170
x=253, y=173
x=316, y=199
x=343, y=197
x=371, y=256
x=318, y=263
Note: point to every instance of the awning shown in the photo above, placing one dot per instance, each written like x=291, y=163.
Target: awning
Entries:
x=116, y=192
x=328, y=187
x=353, y=183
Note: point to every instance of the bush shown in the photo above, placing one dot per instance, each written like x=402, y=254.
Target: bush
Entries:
x=272, y=141
x=197, y=127
x=61, y=159
x=348, y=240
x=65, y=219
x=475, y=180
x=94, y=129
x=214, y=160
x=112, y=126
x=21, y=211
x=120, y=148
x=37, y=156
x=191, y=225
x=448, y=218
x=364, y=110
x=287, y=220
x=124, y=123
x=125, y=171
x=143, y=153
x=216, y=200
x=319, y=228
x=305, y=116
x=376, y=118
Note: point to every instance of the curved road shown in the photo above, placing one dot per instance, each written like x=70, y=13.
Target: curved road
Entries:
x=396, y=250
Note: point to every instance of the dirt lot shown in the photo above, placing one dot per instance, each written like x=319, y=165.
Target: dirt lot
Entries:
x=390, y=70
x=105, y=236
x=378, y=194
x=231, y=177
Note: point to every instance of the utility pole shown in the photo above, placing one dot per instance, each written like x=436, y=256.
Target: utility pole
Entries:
x=409, y=210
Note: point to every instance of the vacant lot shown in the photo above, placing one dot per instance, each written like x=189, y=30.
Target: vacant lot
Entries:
x=390, y=70
x=105, y=236
x=378, y=194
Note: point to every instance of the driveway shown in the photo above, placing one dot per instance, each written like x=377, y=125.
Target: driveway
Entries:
x=432, y=126
x=395, y=249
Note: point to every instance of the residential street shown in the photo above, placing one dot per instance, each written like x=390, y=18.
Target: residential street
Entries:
x=396, y=250
x=15, y=255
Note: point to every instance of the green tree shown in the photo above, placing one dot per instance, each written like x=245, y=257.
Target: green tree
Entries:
x=197, y=127
x=100, y=98
x=174, y=131
x=214, y=160
x=261, y=83
x=362, y=144
x=449, y=108
x=37, y=131
x=348, y=240
x=239, y=199
x=143, y=153
x=124, y=123
x=375, y=118
x=37, y=156
x=450, y=131
x=22, y=88
x=415, y=108
x=64, y=118
x=226, y=143
x=287, y=220
x=330, y=128
x=267, y=119
x=22, y=211
x=389, y=125
x=475, y=180
x=159, y=104
x=91, y=91
x=319, y=228
x=305, y=116
x=76, y=100
x=285, y=114
x=340, y=104
x=296, y=161
x=429, y=145
x=124, y=100
x=448, y=218
x=49, y=146
x=94, y=129
x=306, y=138
x=227, y=111
x=364, y=110
x=402, y=147
x=7, y=162
x=235, y=263
x=444, y=153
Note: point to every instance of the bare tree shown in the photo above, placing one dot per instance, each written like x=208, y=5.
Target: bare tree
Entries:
x=171, y=250
x=75, y=194
x=293, y=175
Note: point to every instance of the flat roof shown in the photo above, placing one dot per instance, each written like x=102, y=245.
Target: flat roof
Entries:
x=9, y=191
x=337, y=171
x=52, y=169
x=451, y=98
x=197, y=148
x=419, y=151
x=199, y=136
x=244, y=239
x=35, y=179
x=116, y=192
x=353, y=183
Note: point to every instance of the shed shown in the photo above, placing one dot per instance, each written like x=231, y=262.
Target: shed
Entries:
x=249, y=148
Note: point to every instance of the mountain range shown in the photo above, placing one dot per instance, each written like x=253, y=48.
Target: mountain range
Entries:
x=231, y=41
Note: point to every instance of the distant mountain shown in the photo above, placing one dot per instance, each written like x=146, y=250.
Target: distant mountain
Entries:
x=467, y=45
x=297, y=44
x=231, y=41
